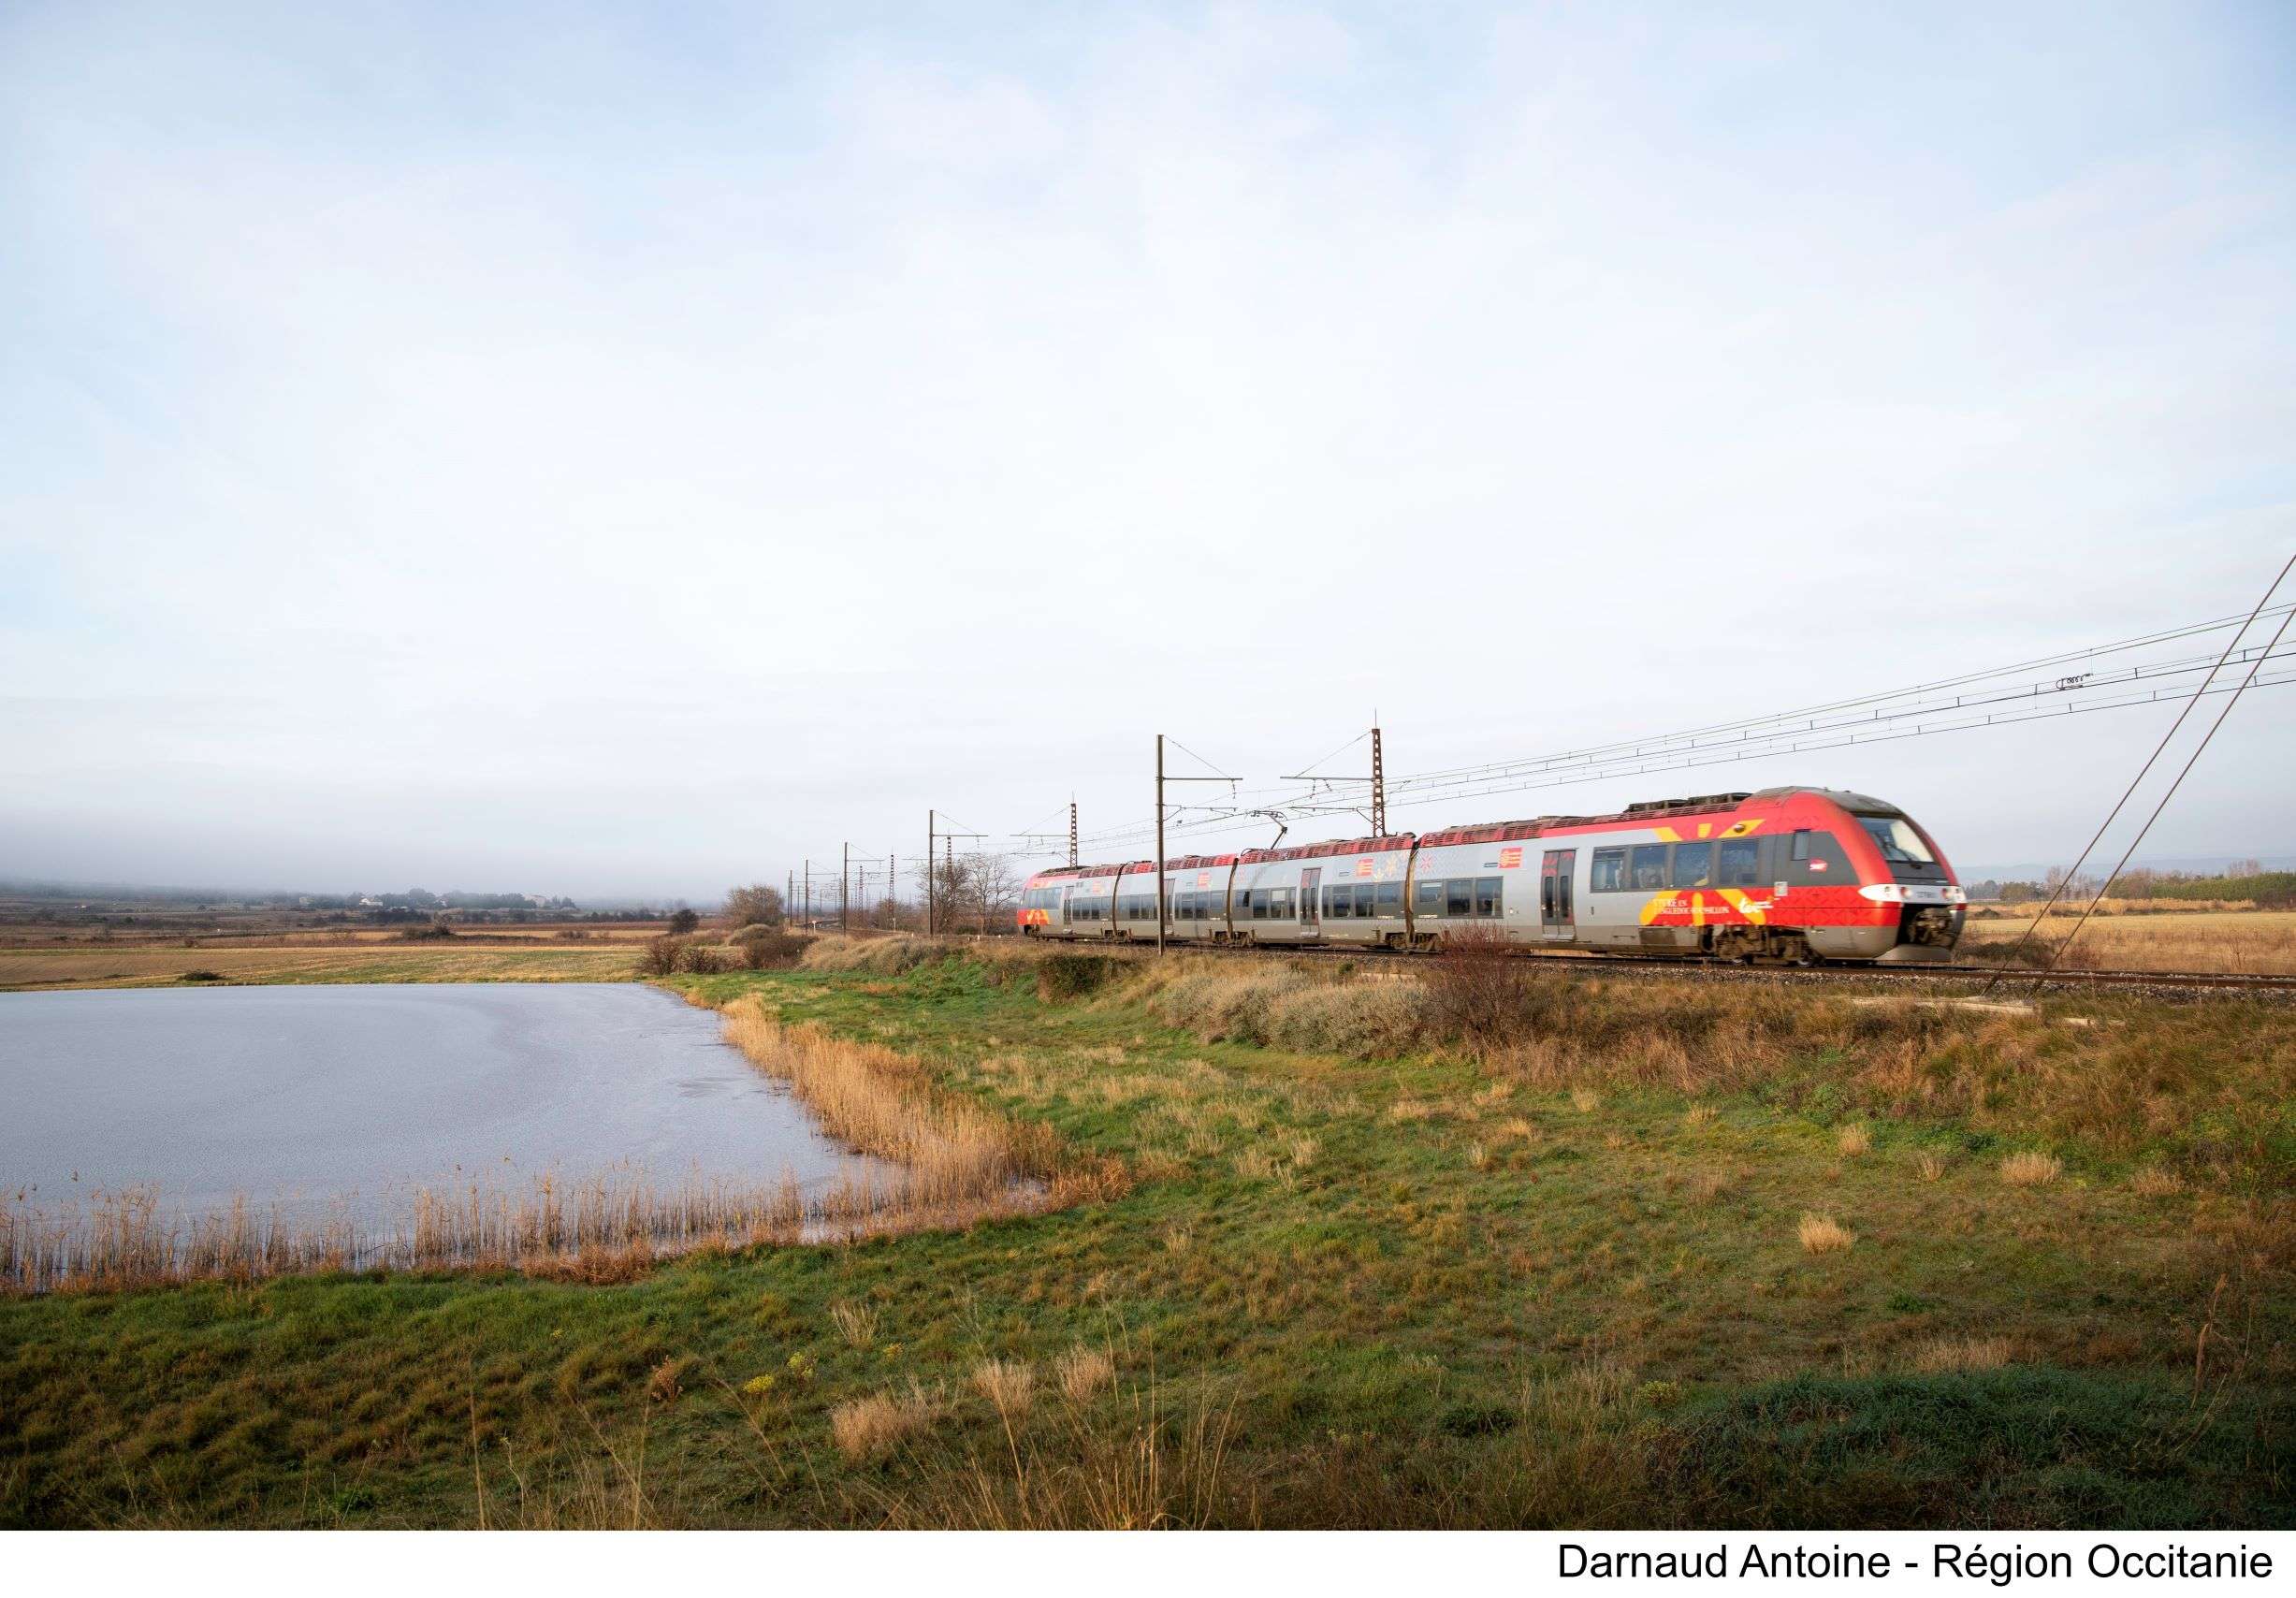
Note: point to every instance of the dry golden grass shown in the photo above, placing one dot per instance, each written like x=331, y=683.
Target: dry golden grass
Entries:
x=855, y=1322
x=1479, y=1158
x=1410, y=1110
x=878, y=1099
x=1823, y=1234
x=607, y=1229
x=144, y=965
x=2031, y=1169
x=1009, y=1385
x=1084, y=1372
x=1854, y=1141
x=1698, y=1116
x=667, y=1381
x=2254, y=942
x=871, y=1427
x=1930, y=1165
x=1586, y=1100
x=2155, y=1182
x=1942, y=1356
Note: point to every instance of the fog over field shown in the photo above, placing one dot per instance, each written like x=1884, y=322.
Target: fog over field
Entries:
x=600, y=452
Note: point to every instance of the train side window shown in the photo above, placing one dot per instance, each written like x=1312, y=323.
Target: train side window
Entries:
x=1801, y=845
x=1610, y=871
x=1740, y=866
x=1487, y=892
x=1287, y=903
x=1649, y=866
x=1547, y=897
x=1458, y=896
x=1427, y=898
x=1391, y=898
x=1694, y=865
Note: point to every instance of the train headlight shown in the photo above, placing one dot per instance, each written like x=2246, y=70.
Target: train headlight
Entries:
x=1956, y=896
x=1882, y=893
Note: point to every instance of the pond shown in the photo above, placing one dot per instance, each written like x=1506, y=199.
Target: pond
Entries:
x=356, y=1106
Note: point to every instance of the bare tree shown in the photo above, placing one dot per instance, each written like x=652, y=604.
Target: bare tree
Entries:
x=754, y=905
x=973, y=890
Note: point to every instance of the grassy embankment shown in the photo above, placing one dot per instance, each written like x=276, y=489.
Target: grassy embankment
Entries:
x=1649, y=1254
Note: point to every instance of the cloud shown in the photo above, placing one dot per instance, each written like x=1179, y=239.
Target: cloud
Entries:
x=432, y=427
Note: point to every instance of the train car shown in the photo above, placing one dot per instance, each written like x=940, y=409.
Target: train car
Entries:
x=1348, y=891
x=1077, y=901
x=1196, y=889
x=1799, y=874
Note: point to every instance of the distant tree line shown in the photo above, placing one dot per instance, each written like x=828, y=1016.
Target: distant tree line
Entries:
x=2242, y=879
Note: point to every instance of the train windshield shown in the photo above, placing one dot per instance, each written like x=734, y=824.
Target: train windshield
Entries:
x=1900, y=845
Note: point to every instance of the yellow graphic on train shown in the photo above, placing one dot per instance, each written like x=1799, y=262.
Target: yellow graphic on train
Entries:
x=1720, y=906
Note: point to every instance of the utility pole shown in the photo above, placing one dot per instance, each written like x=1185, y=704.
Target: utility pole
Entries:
x=1072, y=830
x=893, y=885
x=788, y=895
x=934, y=832
x=1163, y=908
x=845, y=888
x=1378, y=780
x=1379, y=784
x=808, y=893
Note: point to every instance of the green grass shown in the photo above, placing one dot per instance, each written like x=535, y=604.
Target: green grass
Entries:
x=1496, y=1308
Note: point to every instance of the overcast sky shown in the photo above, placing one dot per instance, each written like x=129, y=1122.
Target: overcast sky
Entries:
x=625, y=450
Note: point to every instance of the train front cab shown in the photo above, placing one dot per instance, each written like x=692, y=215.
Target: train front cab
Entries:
x=1902, y=906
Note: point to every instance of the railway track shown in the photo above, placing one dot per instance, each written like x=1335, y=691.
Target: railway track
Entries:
x=2186, y=984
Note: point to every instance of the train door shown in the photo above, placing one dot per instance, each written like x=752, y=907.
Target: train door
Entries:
x=1558, y=915
x=1311, y=909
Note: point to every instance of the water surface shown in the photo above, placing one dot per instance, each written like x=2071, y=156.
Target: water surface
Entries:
x=344, y=1099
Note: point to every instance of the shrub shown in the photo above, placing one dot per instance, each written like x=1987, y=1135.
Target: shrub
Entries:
x=769, y=948
x=683, y=921
x=1068, y=976
x=698, y=959
x=1366, y=1020
x=886, y=956
x=660, y=957
x=1485, y=994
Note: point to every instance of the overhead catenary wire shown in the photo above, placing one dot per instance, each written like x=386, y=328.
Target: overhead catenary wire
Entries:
x=2150, y=760
x=1236, y=820
x=2105, y=887
x=1760, y=736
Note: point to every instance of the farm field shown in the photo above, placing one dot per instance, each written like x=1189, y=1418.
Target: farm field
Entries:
x=138, y=966
x=1628, y=1254
x=2245, y=942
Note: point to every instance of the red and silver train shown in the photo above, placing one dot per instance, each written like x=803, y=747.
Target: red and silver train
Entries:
x=1788, y=874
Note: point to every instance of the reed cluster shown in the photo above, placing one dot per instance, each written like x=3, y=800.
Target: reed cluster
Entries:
x=128, y=1240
